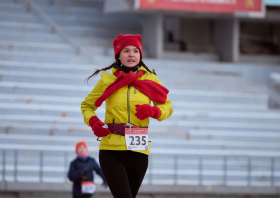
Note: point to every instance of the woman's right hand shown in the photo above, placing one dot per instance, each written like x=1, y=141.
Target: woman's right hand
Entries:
x=96, y=126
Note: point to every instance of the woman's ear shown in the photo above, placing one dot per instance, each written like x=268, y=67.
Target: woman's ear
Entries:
x=118, y=58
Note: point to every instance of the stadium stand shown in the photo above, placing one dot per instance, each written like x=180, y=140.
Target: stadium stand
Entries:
x=222, y=135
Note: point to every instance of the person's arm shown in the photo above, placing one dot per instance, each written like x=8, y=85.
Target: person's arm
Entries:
x=165, y=108
x=88, y=107
x=75, y=175
x=98, y=170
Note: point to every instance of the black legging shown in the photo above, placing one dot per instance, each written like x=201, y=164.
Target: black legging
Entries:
x=123, y=171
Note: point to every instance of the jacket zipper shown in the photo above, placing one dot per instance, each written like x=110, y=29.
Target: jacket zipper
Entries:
x=128, y=113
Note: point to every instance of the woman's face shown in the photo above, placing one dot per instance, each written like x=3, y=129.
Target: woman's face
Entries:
x=81, y=150
x=130, y=56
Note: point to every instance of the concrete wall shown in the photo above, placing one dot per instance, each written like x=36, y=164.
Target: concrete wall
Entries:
x=226, y=39
x=197, y=33
x=274, y=91
x=152, y=33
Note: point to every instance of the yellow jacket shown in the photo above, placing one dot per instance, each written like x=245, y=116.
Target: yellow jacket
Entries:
x=120, y=108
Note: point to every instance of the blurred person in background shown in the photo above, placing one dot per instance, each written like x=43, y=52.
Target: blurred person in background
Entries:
x=81, y=172
x=127, y=92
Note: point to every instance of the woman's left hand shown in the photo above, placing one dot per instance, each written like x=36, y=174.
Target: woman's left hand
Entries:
x=144, y=111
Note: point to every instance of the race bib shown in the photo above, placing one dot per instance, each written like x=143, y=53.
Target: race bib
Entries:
x=88, y=187
x=136, y=138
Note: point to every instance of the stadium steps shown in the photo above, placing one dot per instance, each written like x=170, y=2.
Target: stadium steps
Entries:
x=24, y=27
x=38, y=57
x=31, y=37
x=35, y=47
x=219, y=109
x=90, y=26
x=191, y=83
x=11, y=7
x=19, y=17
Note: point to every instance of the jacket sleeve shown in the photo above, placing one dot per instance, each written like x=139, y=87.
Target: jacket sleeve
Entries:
x=75, y=175
x=88, y=107
x=165, y=108
x=98, y=170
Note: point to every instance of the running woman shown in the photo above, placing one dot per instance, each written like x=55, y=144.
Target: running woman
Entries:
x=128, y=92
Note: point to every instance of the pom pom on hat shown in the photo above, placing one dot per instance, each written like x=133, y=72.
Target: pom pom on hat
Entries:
x=127, y=39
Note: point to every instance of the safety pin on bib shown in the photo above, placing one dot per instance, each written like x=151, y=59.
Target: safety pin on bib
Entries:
x=130, y=125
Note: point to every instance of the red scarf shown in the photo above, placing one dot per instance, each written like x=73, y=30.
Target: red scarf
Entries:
x=152, y=89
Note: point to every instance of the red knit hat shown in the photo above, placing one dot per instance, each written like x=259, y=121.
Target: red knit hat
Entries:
x=79, y=144
x=127, y=39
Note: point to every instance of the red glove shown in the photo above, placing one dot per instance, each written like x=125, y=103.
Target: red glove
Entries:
x=144, y=111
x=96, y=126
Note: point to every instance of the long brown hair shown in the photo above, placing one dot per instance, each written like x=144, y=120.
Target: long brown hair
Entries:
x=116, y=63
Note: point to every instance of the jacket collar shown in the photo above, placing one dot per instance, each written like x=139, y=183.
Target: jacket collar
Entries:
x=82, y=159
x=142, y=68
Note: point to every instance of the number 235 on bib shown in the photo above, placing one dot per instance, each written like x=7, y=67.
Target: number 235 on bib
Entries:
x=136, y=138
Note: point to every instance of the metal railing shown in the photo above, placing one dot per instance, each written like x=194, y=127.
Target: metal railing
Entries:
x=162, y=167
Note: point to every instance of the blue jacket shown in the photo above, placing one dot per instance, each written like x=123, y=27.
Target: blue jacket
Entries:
x=83, y=171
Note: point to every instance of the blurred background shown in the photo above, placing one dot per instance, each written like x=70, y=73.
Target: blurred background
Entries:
x=220, y=59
